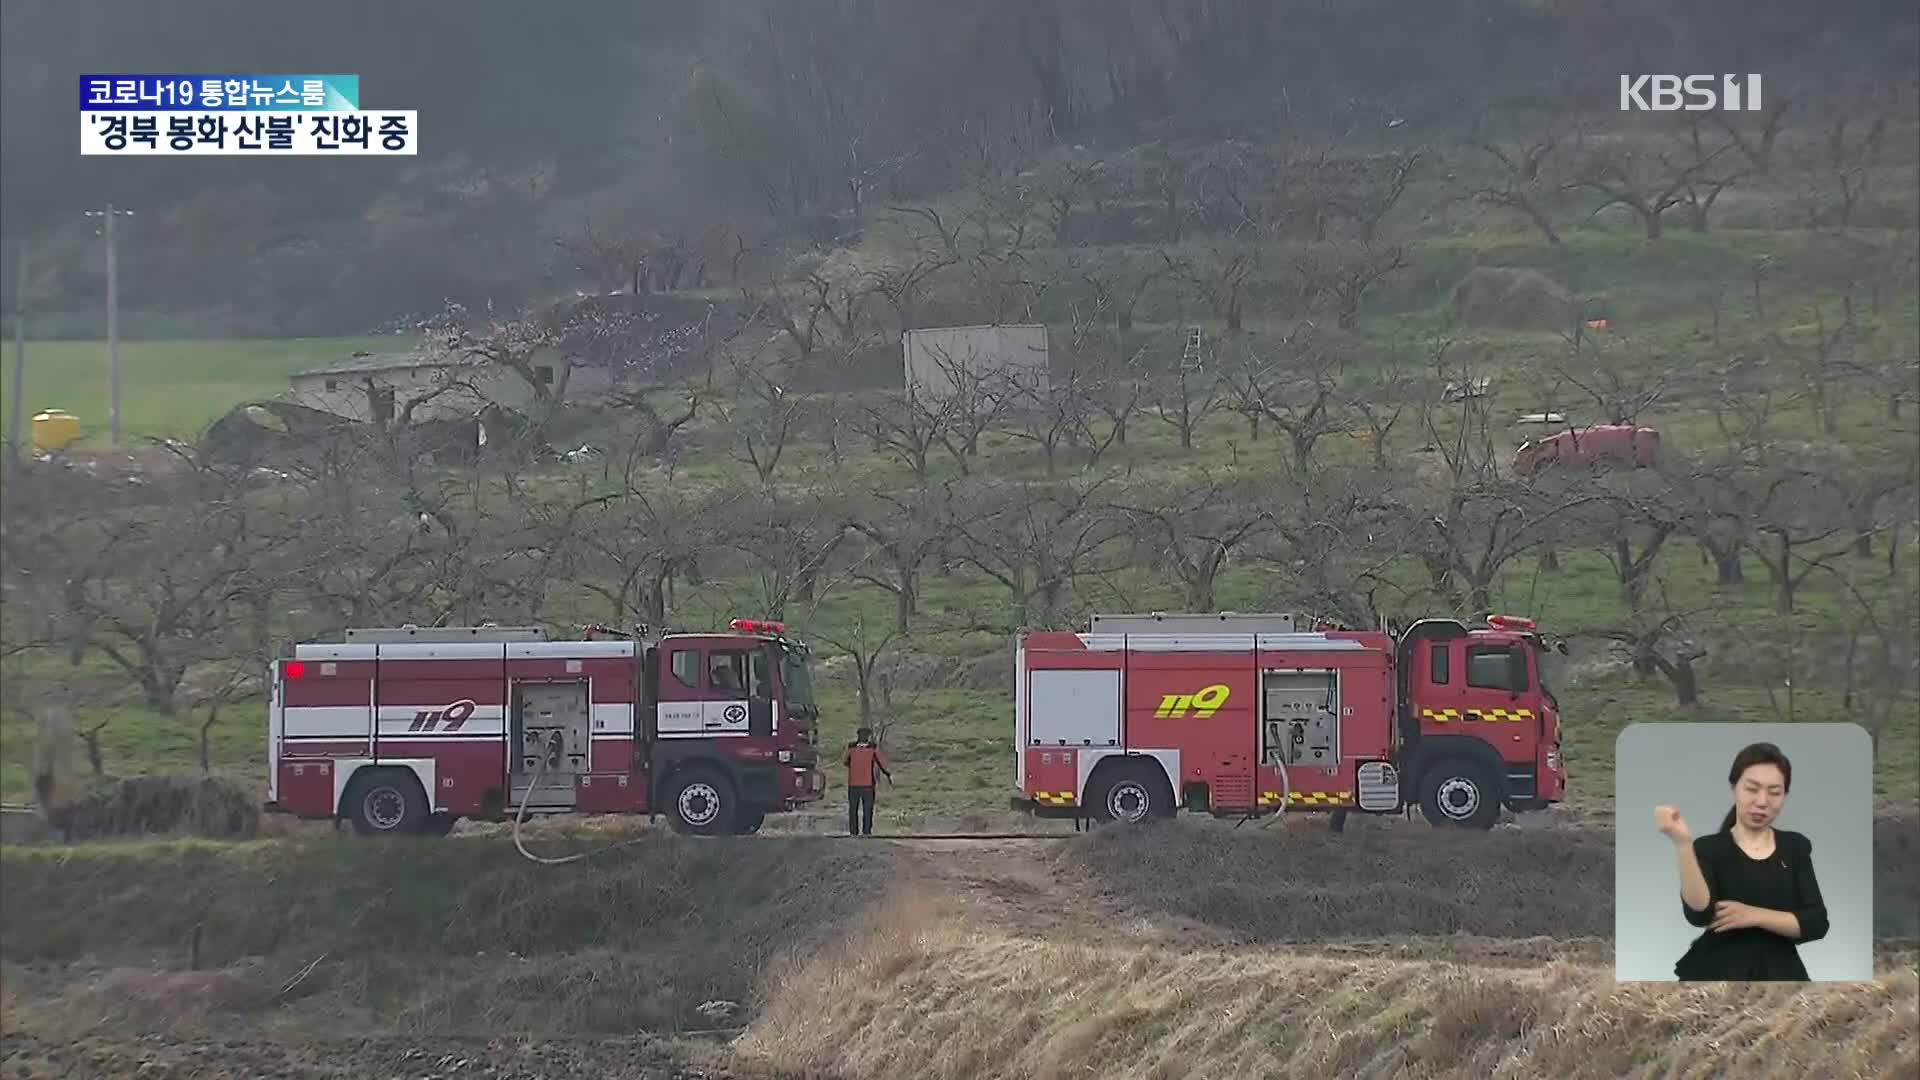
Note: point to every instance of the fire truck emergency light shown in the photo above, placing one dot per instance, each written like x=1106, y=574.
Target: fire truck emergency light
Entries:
x=1510, y=622
x=294, y=669
x=754, y=626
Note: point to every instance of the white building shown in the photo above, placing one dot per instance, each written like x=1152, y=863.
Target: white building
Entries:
x=382, y=386
x=940, y=358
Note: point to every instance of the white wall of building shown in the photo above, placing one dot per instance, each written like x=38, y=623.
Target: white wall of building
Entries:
x=456, y=390
x=1018, y=351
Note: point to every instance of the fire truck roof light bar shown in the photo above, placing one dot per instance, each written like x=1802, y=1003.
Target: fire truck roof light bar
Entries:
x=1511, y=622
x=443, y=634
x=758, y=626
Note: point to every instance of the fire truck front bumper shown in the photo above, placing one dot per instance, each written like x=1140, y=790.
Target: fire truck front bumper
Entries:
x=801, y=784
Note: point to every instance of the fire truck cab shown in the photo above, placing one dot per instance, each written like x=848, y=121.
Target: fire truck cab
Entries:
x=406, y=730
x=1235, y=714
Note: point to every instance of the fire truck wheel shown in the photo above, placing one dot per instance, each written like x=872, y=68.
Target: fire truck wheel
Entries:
x=385, y=802
x=1460, y=792
x=1130, y=795
x=700, y=802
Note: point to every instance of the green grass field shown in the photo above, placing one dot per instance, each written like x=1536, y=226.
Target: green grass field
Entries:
x=167, y=388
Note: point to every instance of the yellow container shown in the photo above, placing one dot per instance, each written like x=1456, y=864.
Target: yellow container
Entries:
x=55, y=429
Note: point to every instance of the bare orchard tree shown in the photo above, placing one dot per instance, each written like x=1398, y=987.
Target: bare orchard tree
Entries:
x=1618, y=382
x=901, y=532
x=1882, y=671
x=1478, y=518
x=1166, y=174
x=1519, y=171
x=1719, y=511
x=1818, y=361
x=1115, y=391
x=161, y=589
x=1304, y=401
x=1853, y=137
x=1369, y=188
x=866, y=646
x=1756, y=142
x=1188, y=391
x=1195, y=525
x=1800, y=525
x=637, y=537
x=1645, y=181
x=234, y=679
x=1378, y=399
x=1331, y=542
x=1055, y=416
x=1247, y=375
x=809, y=312
x=908, y=427
x=1665, y=638
x=789, y=545
x=1340, y=274
x=653, y=429
x=1632, y=514
x=1036, y=540
x=1708, y=168
x=544, y=348
x=1116, y=285
x=1221, y=272
x=611, y=255
x=762, y=417
x=367, y=563
x=902, y=284
x=976, y=396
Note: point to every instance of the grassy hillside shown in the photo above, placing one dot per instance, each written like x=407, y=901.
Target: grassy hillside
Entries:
x=167, y=388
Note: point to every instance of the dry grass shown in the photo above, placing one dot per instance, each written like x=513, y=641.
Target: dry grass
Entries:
x=1388, y=879
x=164, y=804
x=914, y=992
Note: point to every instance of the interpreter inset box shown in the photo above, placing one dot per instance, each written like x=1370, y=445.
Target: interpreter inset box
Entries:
x=1743, y=853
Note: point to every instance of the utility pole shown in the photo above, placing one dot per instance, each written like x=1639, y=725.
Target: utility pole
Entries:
x=113, y=315
x=17, y=405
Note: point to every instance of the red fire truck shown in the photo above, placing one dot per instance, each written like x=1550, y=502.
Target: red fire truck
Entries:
x=1242, y=714
x=406, y=730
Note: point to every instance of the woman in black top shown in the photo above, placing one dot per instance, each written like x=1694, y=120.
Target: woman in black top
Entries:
x=1751, y=885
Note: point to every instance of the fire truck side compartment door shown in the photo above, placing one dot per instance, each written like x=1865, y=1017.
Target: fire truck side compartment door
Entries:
x=1301, y=718
x=1073, y=708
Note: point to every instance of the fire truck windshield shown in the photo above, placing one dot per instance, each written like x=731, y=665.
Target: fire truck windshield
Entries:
x=797, y=676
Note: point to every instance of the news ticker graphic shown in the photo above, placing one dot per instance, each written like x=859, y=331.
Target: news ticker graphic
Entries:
x=297, y=115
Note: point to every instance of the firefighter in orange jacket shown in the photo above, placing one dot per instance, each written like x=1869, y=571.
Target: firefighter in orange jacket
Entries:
x=863, y=758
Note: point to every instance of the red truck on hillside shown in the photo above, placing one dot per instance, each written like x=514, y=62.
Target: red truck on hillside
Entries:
x=1243, y=714
x=1620, y=444
x=406, y=730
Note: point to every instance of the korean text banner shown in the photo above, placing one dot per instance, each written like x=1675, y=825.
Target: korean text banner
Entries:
x=219, y=93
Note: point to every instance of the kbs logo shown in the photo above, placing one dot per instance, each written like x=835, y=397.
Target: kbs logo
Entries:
x=453, y=716
x=1203, y=702
x=1665, y=93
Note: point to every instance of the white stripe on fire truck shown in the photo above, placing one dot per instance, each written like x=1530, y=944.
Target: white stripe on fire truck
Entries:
x=324, y=721
x=335, y=721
